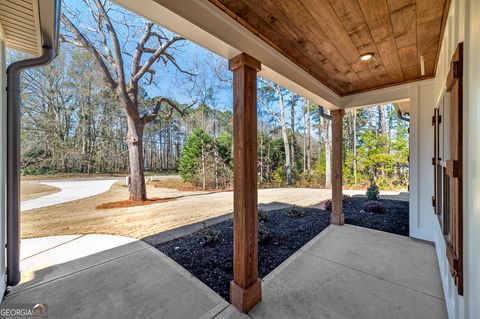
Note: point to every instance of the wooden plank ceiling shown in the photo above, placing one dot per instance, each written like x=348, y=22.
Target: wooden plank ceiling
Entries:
x=327, y=37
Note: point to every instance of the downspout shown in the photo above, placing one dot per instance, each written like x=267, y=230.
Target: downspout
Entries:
x=323, y=114
x=13, y=159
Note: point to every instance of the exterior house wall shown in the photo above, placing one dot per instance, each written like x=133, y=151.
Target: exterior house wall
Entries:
x=421, y=152
x=472, y=160
x=455, y=34
x=3, y=142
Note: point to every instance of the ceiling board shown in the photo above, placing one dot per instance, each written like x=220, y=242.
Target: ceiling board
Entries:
x=327, y=37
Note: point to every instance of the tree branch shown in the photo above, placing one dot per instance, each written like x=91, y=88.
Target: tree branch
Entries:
x=90, y=48
x=116, y=46
x=172, y=59
x=161, y=50
x=137, y=55
x=152, y=116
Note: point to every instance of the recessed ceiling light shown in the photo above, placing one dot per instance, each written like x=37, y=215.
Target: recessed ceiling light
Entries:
x=366, y=56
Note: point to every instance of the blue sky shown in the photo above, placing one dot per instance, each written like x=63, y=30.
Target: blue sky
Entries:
x=169, y=81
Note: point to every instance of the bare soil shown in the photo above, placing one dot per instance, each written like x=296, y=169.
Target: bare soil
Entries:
x=33, y=190
x=132, y=203
x=190, y=207
x=174, y=183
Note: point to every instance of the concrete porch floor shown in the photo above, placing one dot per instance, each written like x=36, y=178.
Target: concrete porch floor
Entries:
x=345, y=272
x=353, y=272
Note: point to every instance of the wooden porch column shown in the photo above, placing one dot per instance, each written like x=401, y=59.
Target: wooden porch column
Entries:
x=245, y=289
x=337, y=217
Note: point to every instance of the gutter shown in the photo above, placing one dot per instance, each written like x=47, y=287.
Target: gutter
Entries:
x=14, y=70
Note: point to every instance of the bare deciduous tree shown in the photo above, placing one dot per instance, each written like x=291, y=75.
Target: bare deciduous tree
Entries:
x=153, y=45
x=278, y=90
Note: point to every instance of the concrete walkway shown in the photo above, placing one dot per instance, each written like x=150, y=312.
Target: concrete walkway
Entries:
x=102, y=276
x=344, y=272
x=353, y=272
x=70, y=190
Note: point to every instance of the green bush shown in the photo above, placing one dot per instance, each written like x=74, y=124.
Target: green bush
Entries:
x=209, y=236
x=295, y=212
x=373, y=193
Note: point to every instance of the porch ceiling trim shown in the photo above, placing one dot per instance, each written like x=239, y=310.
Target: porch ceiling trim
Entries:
x=393, y=94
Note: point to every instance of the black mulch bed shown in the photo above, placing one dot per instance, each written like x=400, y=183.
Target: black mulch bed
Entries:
x=213, y=263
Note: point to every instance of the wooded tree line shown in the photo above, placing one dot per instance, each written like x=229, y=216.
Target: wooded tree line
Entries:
x=71, y=123
x=294, y=146
x=88, y=112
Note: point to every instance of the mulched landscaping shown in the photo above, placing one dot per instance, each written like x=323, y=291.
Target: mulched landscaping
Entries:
x=208, y=254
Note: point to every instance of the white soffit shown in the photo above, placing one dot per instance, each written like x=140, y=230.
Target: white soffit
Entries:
x=20, y=25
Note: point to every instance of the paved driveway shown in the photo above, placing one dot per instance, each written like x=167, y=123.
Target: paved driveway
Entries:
x=70, y=190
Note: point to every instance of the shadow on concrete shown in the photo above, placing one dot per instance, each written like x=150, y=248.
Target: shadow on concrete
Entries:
x=129, y=281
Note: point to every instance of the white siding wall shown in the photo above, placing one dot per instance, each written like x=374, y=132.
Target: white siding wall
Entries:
x=454, y=34
x=421, y=152
x=472, y=160
x=3, y=134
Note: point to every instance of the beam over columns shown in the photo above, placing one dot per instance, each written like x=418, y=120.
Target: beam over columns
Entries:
x=337, y=217
x=245, y=289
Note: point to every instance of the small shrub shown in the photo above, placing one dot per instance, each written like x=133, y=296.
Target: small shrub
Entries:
x=262, y=215
x=373, y=192
x=326, y=205
x=209, y=236
x=373, y=206
x=295, y=212
x=263, y=232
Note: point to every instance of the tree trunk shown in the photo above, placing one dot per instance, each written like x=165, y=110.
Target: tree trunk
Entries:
x=355, y=146
x=304, y=143
x=204, y=177
x=309, y=139
x=138, y=190
x=292, y=124
x=382, y=122
x=328, y=156
x=286, y=144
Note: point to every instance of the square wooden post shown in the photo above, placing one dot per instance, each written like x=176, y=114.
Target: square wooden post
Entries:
x=245, y=289
x=337, y=217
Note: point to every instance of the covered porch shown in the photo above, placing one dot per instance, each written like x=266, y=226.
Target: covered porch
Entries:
x=339, y=55
x=344, y=272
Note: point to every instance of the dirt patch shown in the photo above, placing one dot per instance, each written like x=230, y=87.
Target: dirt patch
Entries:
x=289, y=231
x=173, y=183
x=33, y=190
x=180, y=185
x=132, y=203
x=81, y=217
